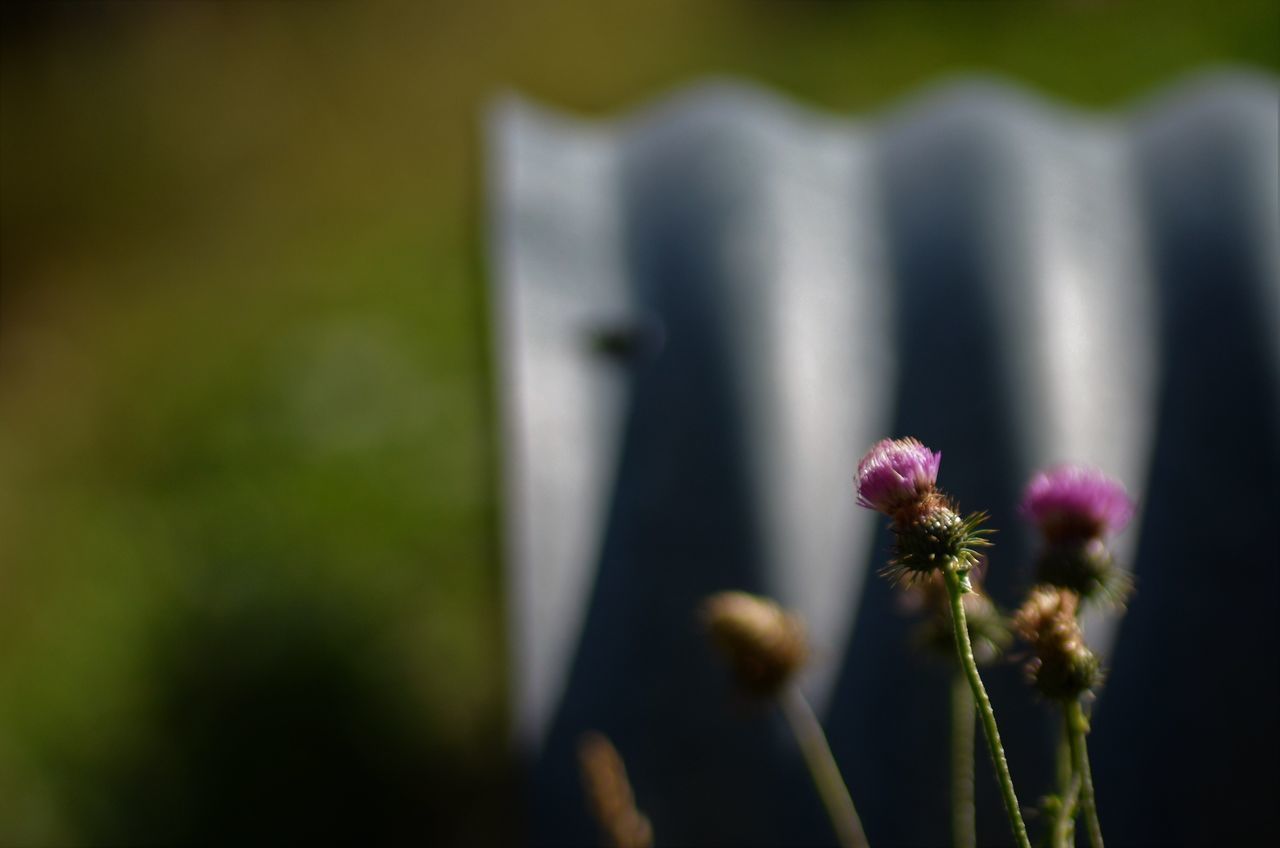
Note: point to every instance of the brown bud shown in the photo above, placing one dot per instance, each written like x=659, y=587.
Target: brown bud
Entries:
x=604, y=778
x=1047, y=617
x=765, y=645
x=1063, y=666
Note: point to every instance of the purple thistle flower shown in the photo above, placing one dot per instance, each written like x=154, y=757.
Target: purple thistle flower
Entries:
x=896, y=473
x=1073, y=501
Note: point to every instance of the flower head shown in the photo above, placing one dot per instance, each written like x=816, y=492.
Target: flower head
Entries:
x=896, y=473
x=1075, y=502
x=898, y=477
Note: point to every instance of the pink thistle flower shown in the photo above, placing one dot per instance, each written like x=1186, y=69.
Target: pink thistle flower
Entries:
x=896, y=473
x=1076, y=502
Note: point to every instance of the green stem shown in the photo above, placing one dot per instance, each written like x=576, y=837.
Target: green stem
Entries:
x=823, y=769
x=1077, y=729
x=1064, y=827
x=963, y=830
x=1064, y=830
x=1066, y=763
x=965, y=651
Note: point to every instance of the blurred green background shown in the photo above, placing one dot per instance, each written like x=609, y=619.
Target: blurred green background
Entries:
x=249, y=565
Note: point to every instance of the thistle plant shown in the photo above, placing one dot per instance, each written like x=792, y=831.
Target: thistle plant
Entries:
x=898, y=477
x=1076, y=509
x=766, y=647
x=937, y=562
x=1063, y=669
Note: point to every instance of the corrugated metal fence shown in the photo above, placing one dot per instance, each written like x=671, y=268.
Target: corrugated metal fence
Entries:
x=708, y=310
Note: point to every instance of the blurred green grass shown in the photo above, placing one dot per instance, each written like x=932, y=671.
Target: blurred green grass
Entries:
x=245, y=397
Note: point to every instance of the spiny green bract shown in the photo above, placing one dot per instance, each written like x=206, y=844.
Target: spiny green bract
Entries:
x=1086, y=568
x=936, y=539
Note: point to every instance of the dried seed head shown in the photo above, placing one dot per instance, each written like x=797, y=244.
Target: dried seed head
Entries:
x=1047, y=619
x=1063, y=666
x=604, y=778
x=765, y=645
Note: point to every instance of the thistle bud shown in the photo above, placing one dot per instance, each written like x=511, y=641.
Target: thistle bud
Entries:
x=1063, y=666
x=765, y=645
x=604, y=778
x=1076, y=508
